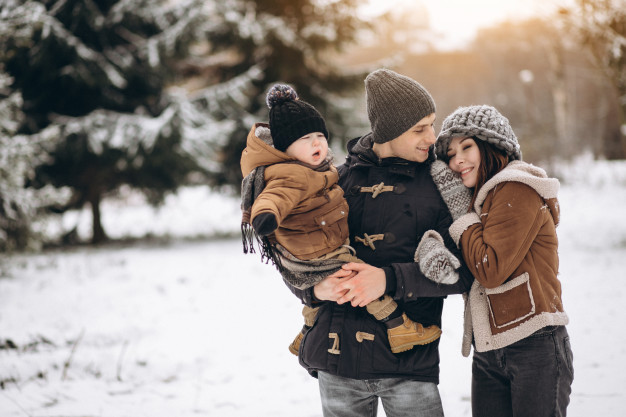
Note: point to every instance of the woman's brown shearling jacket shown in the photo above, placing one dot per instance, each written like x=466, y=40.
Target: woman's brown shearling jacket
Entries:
x=510, y=245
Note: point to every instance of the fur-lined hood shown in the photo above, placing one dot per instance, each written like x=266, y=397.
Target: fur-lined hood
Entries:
x=260, y=150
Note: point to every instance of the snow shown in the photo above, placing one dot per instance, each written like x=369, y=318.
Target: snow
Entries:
x=195, y=327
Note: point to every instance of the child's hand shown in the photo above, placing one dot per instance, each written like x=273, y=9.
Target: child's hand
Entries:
x=326, y=290
x=264, y=224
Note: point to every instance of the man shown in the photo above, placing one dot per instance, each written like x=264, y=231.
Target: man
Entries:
x=393, y=201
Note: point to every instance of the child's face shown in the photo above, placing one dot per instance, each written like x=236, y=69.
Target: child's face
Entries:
x=464, y=158
x=311, y=149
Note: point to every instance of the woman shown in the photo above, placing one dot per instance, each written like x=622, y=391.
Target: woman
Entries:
x=515, y=320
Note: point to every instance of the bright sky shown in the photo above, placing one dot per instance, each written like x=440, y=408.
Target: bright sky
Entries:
x=458, y=20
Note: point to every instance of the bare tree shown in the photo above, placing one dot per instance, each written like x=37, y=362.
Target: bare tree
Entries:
x=600, y=26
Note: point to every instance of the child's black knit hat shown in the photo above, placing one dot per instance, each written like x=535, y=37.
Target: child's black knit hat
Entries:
x=290, y=117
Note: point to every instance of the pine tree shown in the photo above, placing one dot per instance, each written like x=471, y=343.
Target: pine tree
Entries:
x=19, y=205
x=93, y=77
x=288, y=41
x=147, y=92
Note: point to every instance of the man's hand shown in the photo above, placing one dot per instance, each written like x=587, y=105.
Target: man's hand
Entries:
x=326, y=290
x=367, y=285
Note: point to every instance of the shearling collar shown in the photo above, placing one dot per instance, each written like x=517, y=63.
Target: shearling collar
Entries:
x=525, y=173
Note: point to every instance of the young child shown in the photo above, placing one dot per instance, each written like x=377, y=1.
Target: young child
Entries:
x=302, y=208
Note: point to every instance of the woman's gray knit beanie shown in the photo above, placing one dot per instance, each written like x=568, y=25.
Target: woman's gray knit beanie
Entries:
x=483, y=122
x=395, y=103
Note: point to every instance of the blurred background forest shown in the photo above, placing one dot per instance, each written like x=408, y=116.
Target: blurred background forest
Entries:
x=99, y=97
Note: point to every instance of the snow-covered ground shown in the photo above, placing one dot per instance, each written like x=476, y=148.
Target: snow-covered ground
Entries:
x=192, y=328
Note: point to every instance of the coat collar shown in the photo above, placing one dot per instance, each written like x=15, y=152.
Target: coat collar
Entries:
x=530, y=175
x=525, y=173
x=361, y=155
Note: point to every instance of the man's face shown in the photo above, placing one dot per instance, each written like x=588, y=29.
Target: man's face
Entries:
x=413, y=144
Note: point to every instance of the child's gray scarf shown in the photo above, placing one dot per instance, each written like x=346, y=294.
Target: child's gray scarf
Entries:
x=251, y=187
x=298, y=273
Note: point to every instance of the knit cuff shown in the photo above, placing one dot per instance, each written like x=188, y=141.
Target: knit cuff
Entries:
x=429, y=234
x=382, y=308
x=309, y=314
x=461, y=224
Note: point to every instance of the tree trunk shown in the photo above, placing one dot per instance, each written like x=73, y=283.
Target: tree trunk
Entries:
x=622, y=125
x=615, y=138
x=98, y=235
x=559, y=95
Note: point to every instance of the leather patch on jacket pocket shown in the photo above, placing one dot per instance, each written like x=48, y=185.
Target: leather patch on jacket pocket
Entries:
x=511, y=302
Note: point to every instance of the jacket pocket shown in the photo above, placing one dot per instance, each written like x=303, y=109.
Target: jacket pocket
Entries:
x=376, y=352
x=511, y=302
x=334, y=224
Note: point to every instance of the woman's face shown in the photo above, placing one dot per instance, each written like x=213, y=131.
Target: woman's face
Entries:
x=464, y=158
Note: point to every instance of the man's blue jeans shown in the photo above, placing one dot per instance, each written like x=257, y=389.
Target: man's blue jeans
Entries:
x=345, y=397
x=530, y=378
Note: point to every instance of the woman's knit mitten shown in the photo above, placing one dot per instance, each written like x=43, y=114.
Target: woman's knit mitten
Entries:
x=435, y=260
x=456, y=196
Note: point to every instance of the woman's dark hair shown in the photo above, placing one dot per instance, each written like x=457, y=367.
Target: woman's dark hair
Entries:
x=492, y=161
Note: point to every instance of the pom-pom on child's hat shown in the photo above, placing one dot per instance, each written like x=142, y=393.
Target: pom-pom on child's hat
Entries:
x=290, y=117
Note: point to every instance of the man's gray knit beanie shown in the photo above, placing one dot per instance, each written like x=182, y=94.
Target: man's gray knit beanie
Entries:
x=482, y=122
x=395, y=103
